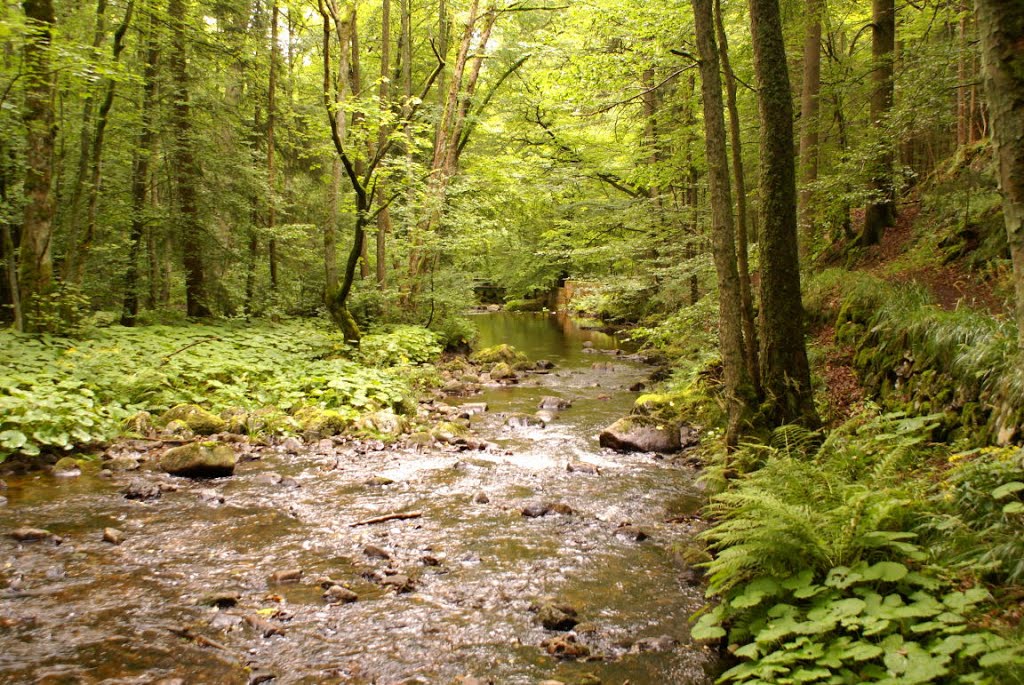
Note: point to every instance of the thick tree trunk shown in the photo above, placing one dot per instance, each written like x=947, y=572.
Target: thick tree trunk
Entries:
x=742, y=261
x=738, y=387
x=1001, y=25
x=186, y=170
x=141, y=157
x=880, y=213
x=809, y=123
x=785, y=373
x=36, y=268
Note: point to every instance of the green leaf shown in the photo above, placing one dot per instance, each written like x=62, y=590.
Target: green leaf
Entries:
x=12, y=439
x=1014, y=508
x=888, y=571
x=1007, y=489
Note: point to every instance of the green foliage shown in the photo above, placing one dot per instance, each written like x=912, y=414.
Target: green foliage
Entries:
x=59, y=393
x=820, y=571
x=399, y=346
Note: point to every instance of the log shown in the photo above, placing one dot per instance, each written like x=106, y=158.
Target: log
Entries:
x=399, y=516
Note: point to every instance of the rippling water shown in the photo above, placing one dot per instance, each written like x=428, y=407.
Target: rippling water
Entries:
x=85, y=611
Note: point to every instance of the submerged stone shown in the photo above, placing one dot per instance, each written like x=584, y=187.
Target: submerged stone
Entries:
x=199, y=460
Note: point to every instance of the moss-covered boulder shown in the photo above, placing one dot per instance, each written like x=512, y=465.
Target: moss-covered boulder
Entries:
x=637, y=433
x=176, y=430
x=199, y=421
x=382, y=424
x=199, y=460
x=139, y=423
x=498, y=353
x=663, y=407
x=321, y=423
x=502, y=372
x=67, y=466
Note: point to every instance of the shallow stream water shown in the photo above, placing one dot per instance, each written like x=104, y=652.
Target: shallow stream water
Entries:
x=86, y=611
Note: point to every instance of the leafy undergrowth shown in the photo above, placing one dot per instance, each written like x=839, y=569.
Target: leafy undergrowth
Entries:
x=60, y=393
x=872, y=556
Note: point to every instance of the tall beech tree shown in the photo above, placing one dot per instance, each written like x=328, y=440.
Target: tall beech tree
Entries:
x=1001, y=23
x=738, y=386
x=785, y=373
x=35, y=274
x=880, y=212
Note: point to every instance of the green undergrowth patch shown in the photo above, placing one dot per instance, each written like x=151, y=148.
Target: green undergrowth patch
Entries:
x=59, y=393
x=919, y=358
x=870, y=555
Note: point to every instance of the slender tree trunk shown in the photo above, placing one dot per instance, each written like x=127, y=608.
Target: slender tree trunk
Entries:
x=384, y=217
x=141, y=157
x=1001, y=25
x=785, y=373
x=76, y=270
x=809, y=123
x=74, y=211
x=880, y=213
x=742, y=260
x=271, y=118
x=738, y=387
x=356, y=86
x=36, y=268
x=186, y=170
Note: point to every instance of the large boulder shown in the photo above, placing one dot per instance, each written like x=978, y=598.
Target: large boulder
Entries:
x=199, y=460
x=382, y=424
x=636, y=433
x=502, y=372
x=200, y=421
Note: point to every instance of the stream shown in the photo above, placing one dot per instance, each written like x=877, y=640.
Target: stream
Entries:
x=451, y=594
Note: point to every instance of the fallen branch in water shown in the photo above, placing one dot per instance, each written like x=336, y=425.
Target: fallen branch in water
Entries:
x=186, y=633
x=400, y=516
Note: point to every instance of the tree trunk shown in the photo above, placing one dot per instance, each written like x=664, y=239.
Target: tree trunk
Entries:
x=785, y=373
x=36, y=268
x=1001, y=25
x=880, y=213
x=76, y=270
x=809, y=123
x=141, y=157
x=384, y=217
x=271, y=180
x=186, y=171
x=742, y=261
x=738, y=388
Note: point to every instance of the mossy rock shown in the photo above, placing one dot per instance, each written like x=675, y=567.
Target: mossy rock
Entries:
x=322, y=423
x=502, y=371
x=67, y=465
x=637, y=433
x=448, y=431
x=177, y=430
x=200, y=421
x=199, y=460
x=140, y=423
x=382, y=424
x=499, y=353
x=660, y=406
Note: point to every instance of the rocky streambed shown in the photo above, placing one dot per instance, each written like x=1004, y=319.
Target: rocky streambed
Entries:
x=524, y=554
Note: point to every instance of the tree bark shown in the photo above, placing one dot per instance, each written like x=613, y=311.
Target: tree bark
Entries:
x=1001, y=25
x=141, y=157
x=880, y=213
x=785, y=373
x=742, y=260
x=186, y=170
x=36, y=267
x=738, y=387
x=271, y=117
x=384, y=217
x=809, y=123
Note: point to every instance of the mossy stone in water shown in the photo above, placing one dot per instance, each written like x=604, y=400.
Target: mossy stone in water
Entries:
x=641, y=434
x=502, y=371
x=498, y=353
x=199, y=460
x=200, y=421
x=321, y=423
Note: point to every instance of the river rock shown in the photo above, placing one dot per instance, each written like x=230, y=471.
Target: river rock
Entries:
x=481, y=498
x=145, y=491
x=222, y=599
x=200, y=421
x=420, y=440
x=538, y=509
x=399, y=582
x=554, y=403
x=383, y=423
x=199, y=460
x=472, y=409
x=291, y=445
x=637, y=387
x=565, y=647
x=113, y=536
x=210, y=496
x=641, y=434
x=375, y=552
x=67, y=467
x=557, y=617
x=518, y=420
x=121, y=463
x=587, y=344
x=662, y=643
x=501, y=372
x=544, y=364
x=499, y=353
x=337, y=594
x=261, y=676
x=291, y=575
x=269, y=478
x=632, y=533
x=378, y=481
x=140, y=423
x=583, y=467
x=30, y=534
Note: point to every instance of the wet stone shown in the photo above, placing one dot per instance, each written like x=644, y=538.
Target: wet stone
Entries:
x=67, y=467
x=121, y=463
x=473, y=408
x=30, y=534
x=211, y=497
x=555, y=403
x=337, y=594
x=379, y=481
x=583, y=467
x=225, y=621
x=481, y=498
x=292, y=575
x=400, y=582
x=565, y=647
x=375, y=552
x=199, y=460
x=632, y=533
x=222, y=599
x=113, y=536
x=260, y=677
x=268, y=478
x=560, y=617
x=662, y=643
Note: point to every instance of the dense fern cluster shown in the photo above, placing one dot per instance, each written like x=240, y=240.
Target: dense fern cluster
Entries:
x=832, y=566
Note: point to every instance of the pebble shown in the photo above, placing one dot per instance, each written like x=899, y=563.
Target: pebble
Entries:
x=400, y=582
x=375, y=552
x=221, y=599
x=565, y=647
x=337, y=594
x=269, y=478
x=292, y=575
x=561, y=617
x=379, y=480
x=113, y=536
x=582, y=467
x=481, y=498
x=291, y=445
x=210, y=496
